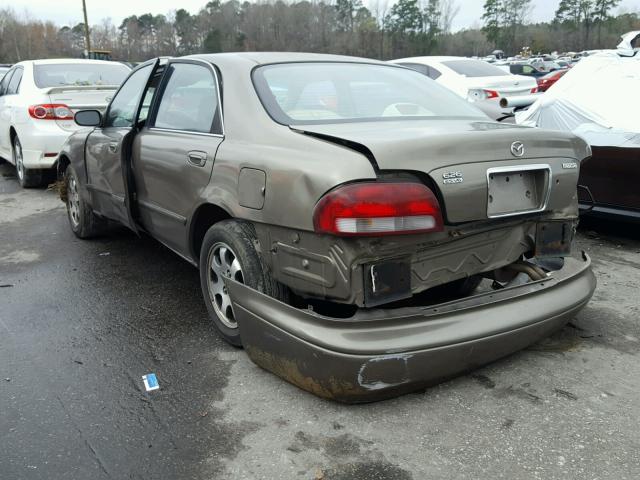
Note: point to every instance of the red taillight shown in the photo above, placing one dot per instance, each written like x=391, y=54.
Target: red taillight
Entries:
x=378, y=209
x=534, y=90
x=491, y=94
x=51, y=111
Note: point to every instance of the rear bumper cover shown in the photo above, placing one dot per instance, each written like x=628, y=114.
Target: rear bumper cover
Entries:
x=38, y=139
x=379, y=353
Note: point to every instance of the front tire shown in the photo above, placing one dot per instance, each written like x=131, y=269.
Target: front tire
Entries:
x=229, y=251
x=28, y=178
x=84, y=223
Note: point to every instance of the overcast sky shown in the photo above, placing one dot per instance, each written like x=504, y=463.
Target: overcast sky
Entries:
x=66, y=12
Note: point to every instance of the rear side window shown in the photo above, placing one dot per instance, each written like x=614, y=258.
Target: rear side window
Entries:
x=423, y=69
x=339, y=92
x=418, y=67
x=433, y=73
x=5, y=82
x=474, y=68
x=65, y=74
x=189, y=100
x=14, y=84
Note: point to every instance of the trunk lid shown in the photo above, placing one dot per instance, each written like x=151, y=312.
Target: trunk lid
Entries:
x=461, y=156
x=93, y=97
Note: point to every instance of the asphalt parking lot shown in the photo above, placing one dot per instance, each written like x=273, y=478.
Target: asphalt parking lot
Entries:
x=82, y=321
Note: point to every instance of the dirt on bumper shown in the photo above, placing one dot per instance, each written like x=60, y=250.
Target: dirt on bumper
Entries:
x=380, y=354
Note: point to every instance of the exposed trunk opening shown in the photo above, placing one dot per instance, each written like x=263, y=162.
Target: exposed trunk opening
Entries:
x=516, y=274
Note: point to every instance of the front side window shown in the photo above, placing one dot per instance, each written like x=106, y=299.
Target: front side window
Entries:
x=474, y=68
x=14, y=84
x=189, y=100
x=66, y=74
x=317, y=93
x=124, y=105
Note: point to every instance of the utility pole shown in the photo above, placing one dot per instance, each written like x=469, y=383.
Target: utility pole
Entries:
x=87, y=41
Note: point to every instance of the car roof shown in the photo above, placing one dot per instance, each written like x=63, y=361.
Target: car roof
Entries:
x=263, y=58
x=58, y=61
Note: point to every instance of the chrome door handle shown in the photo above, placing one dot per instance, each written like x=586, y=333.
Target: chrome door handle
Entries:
x=199, y=159
x=113, y=147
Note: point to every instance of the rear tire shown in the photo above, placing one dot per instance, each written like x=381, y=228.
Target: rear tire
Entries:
x=84, y=223
x=229, y=251
x=28, y=178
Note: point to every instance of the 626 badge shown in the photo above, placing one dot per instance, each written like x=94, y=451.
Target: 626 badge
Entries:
x=452, y=177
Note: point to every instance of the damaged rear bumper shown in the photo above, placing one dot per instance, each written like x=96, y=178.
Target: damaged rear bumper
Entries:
x=379, y=353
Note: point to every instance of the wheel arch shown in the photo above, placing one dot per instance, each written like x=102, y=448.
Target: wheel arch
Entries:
x=13, y=133
x=62, y=164
x=205, y=216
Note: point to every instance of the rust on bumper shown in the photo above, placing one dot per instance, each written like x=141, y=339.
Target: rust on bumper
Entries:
x=380, y=353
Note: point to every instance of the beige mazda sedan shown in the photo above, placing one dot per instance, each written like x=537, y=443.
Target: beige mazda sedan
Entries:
x=360, y=230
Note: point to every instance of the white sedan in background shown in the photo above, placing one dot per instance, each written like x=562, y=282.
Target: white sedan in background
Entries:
x=38, y=99
x=470, y=78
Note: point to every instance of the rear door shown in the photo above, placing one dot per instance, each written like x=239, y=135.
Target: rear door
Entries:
x=173, y=155
x=106, y=146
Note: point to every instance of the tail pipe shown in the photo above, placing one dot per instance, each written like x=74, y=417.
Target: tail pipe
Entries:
x=533, y=271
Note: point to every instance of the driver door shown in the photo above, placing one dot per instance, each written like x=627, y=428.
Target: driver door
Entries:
x=108, y=145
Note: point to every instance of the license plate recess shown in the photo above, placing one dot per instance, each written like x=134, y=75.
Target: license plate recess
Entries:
x=517, y=190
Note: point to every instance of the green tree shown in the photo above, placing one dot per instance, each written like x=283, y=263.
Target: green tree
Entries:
x=186, y=29
x=502, y=19
x=213, y=42
x=346, y=11
x=492, y=18
x=405, y=17
x=602, y=10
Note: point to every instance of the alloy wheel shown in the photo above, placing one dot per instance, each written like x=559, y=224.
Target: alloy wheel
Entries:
x=17, y=152
x=223, y=263
x=73, y=201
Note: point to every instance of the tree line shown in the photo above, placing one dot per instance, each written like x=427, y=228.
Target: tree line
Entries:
x=405, y=28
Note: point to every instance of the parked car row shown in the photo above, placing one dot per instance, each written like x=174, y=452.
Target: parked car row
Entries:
x=361, y=228
x=39, y=98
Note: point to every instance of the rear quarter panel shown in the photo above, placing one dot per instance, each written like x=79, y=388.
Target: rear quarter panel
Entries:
x=298, y=169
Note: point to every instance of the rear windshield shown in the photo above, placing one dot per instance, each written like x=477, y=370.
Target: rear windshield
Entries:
x=474, y=68
x=320, y=93
x=63, y=74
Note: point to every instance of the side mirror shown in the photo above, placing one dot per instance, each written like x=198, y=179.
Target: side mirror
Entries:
x=88, y=118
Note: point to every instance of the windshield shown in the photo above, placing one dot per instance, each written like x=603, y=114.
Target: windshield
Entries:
x=58, y=75
x=474, y=68
x=321, y=93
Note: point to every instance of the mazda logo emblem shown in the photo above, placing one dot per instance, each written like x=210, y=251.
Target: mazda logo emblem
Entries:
x=517, y=149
